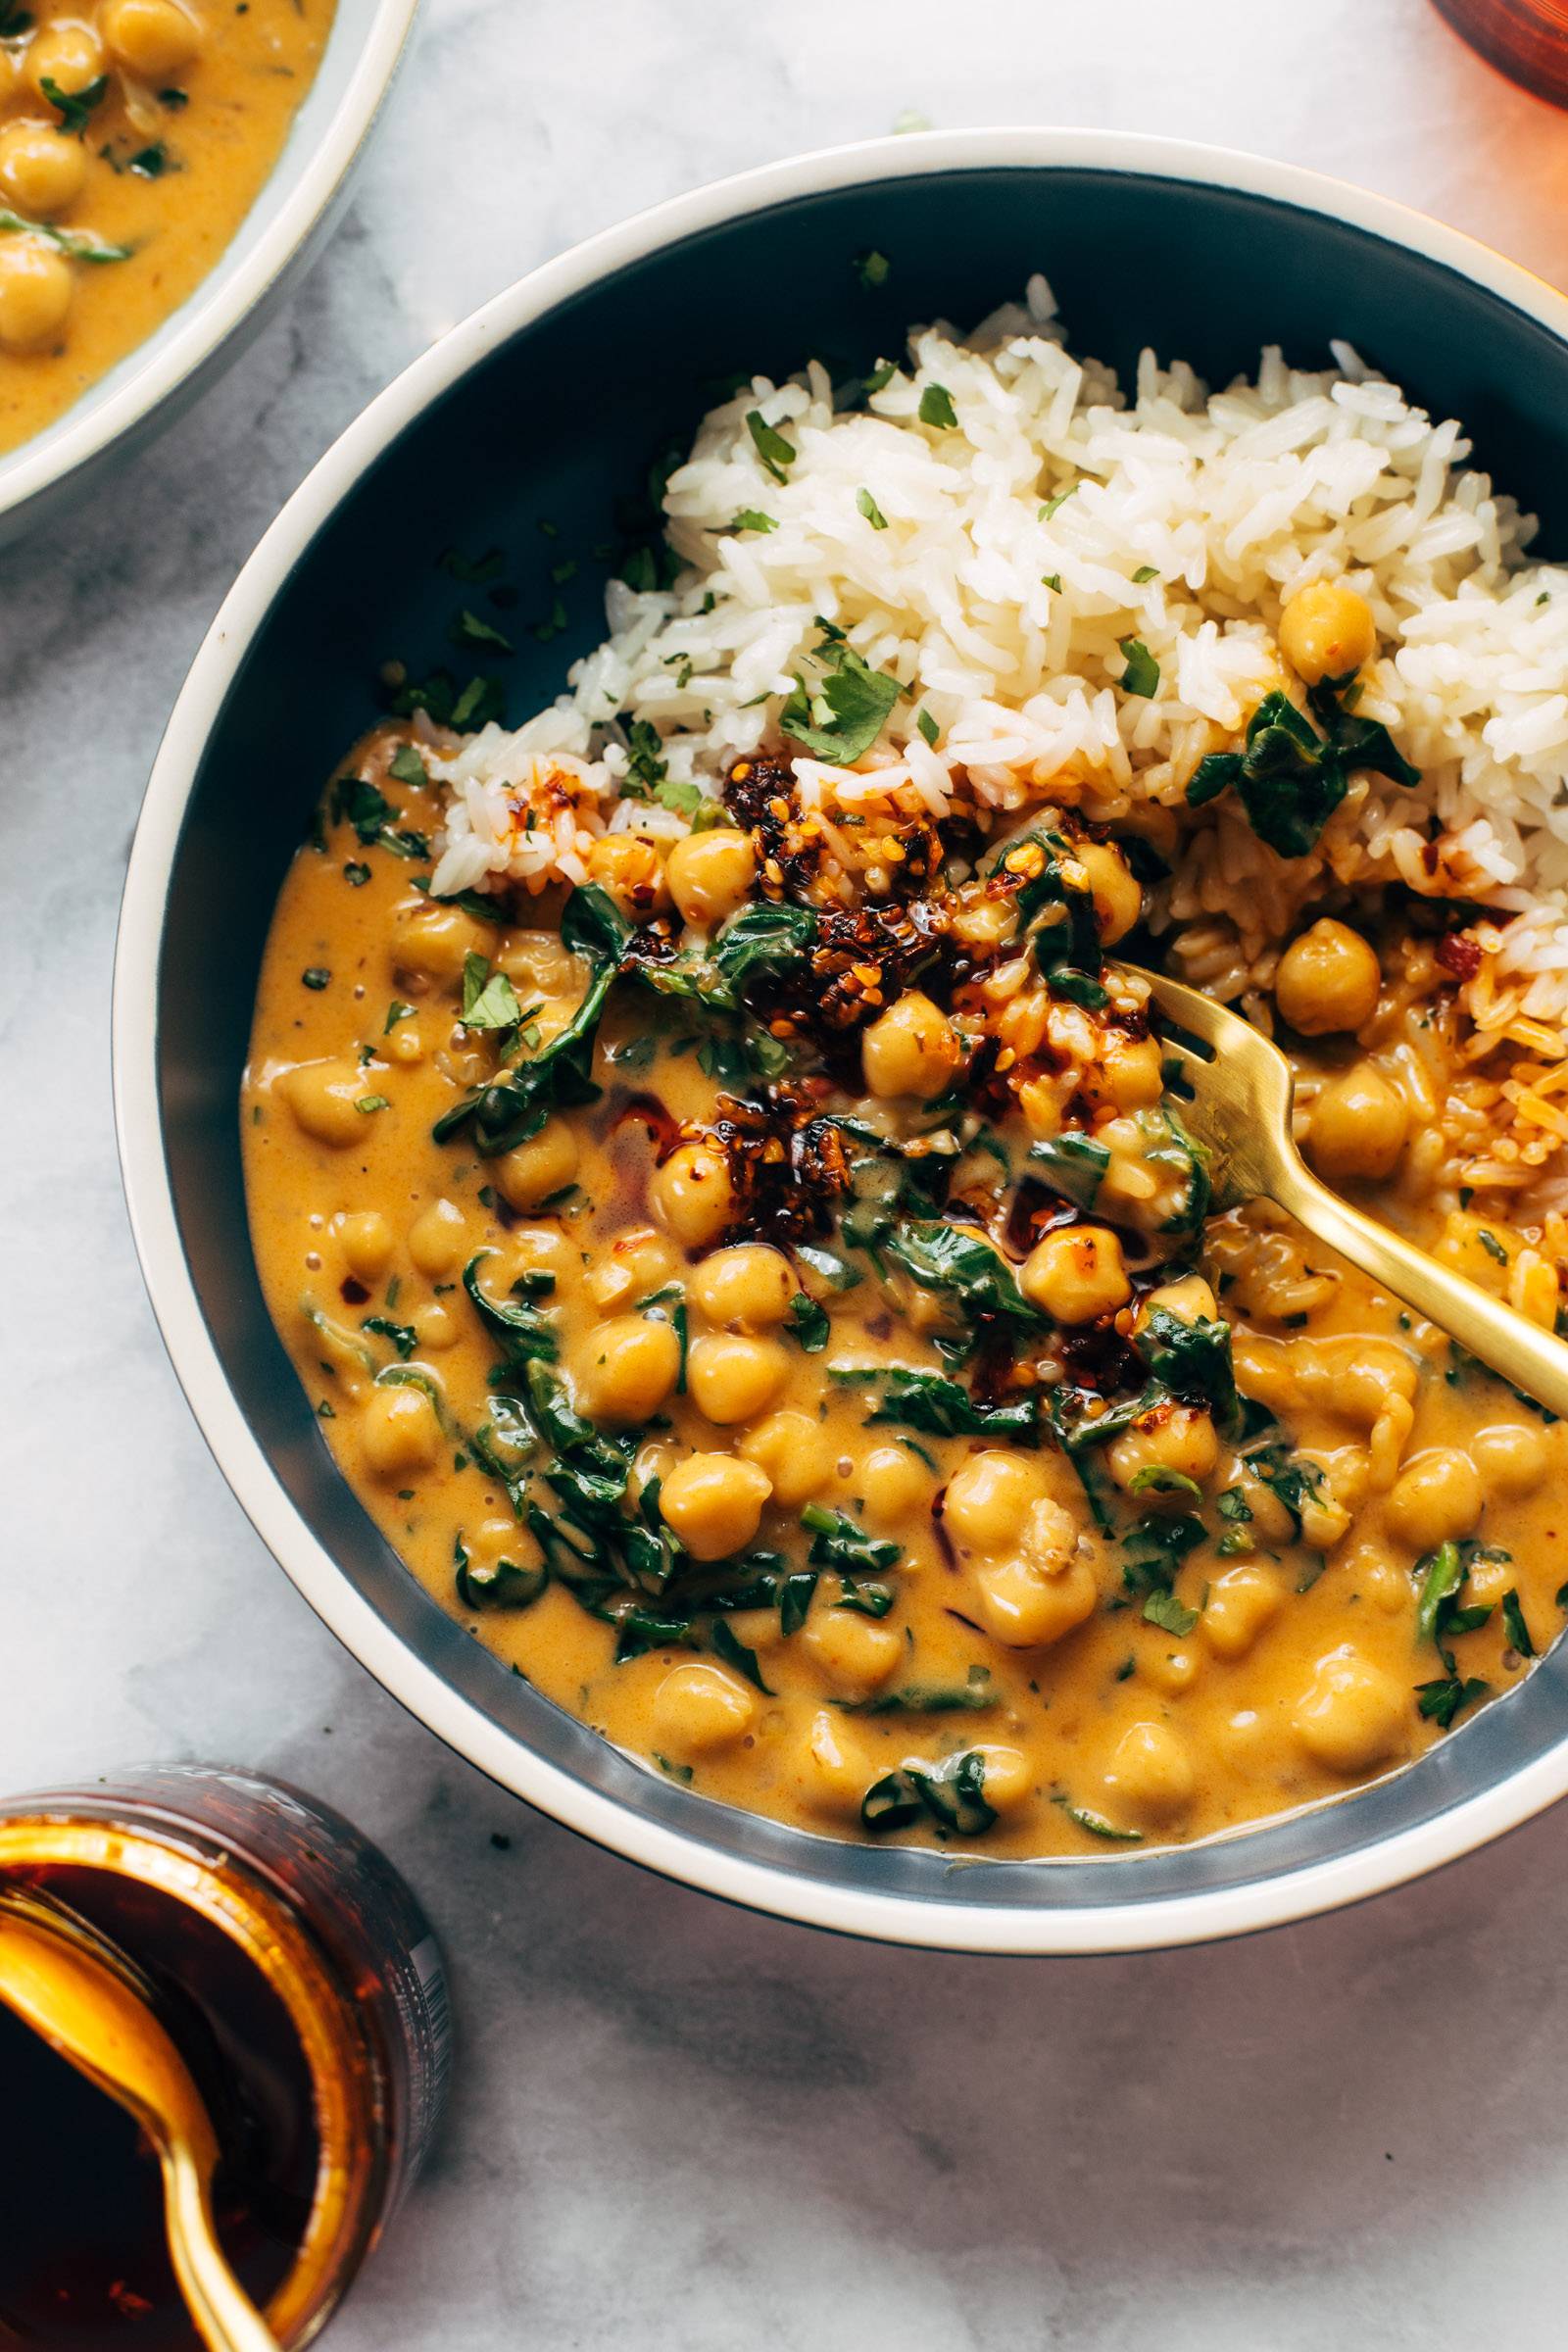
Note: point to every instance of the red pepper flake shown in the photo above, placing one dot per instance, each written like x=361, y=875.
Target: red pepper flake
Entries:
x=1459, y=952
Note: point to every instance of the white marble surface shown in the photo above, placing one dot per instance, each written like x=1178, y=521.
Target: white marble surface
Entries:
x=677, y=2129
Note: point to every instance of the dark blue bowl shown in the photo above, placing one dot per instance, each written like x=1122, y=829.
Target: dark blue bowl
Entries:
x=542, y=414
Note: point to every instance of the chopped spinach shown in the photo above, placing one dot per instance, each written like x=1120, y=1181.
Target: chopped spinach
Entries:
x=837, y=1542
x=951, y=1794
x=940, y=1408
x=809, y=1323
x=1289, y=777
x=976, y=1279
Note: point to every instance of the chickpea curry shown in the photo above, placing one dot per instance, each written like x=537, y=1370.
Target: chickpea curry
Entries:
x=134, y=137
x=766, y=1287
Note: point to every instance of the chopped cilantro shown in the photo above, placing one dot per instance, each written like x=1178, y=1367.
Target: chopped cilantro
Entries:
x=751, y=519
x=776, y=454
x=871, y=509
x=489, y=1000
x=928, y=728
x=1142, y=673
x=871, y=269
x=936, y=408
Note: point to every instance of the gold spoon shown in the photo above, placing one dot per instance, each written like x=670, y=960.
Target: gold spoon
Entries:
x=90, y=2003
x=1242, y=1092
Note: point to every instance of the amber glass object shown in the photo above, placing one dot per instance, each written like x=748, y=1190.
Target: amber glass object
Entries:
x=305, y=1990
x=1526, y=39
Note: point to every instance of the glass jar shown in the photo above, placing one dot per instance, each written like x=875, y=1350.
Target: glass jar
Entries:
x=307, y=1994
x=1526, y=39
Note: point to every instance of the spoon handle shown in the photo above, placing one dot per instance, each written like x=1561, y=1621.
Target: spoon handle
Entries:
x=1518, y=1350
x=225, y=2317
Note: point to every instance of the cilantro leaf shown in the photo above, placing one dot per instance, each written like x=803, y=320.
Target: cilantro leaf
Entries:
x=936, y=408
x=489, y=1000
x=1142, y=673
x=776, y=454
x=846, y=714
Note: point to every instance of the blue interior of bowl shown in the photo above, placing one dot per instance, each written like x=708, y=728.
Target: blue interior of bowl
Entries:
x=535, y=451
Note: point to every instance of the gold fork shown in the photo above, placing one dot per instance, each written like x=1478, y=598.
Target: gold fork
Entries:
x=1242, y=1092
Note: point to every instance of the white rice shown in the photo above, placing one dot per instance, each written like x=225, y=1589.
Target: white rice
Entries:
x=1226, y=502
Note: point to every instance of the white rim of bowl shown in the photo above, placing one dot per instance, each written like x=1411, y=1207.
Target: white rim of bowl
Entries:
x=1133, y=1926
x=27, y=472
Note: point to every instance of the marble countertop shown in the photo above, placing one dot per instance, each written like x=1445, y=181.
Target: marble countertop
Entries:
x=676, y=2127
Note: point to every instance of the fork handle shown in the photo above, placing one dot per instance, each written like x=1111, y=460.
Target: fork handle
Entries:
x=1518, y=1350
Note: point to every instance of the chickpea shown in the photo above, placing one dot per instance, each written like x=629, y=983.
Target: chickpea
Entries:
x=856, y=1654
x=365, y=1241
x=637, y=1264
x=1007, y=1782
x=1128, y=1076
x=1151, y=1772
x=692, y=1196
x=1175, y=1437
x=1189, y=1296
x=1358, y=1125
x=405, y=1045
x=628, y=868
x=1511, y=1457
x=70, y=56
x=895, y=1483
x=988, y=1499
x=323, y=1096
x=734, y=1379
x=1240, y=1603
x=534, y=1171
x=41, y=171
x=712, y=1502
x=150, y=37
x=834, y=1769
x=399, y=1432
x=1437, y=1497
x=746, y=1287
x=1171, y=1670
x=1118, y=899
x=912, y=1049
x=796, y=1453
x=1076, y=1274
x=436, y=1326
x=710, y=874
x=1025, y=1608
x=1351, y=1715
x=1327, y=631
x=538, y=966
x=699, y=1708
x=434, y=941
x=1328, y=980
x=535, y=1250
x=623, y=1371
x=36, y=291
x=438, y=1239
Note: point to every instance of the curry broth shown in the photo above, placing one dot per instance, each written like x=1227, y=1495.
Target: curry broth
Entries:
x=158, y=162
x=1125, y=1730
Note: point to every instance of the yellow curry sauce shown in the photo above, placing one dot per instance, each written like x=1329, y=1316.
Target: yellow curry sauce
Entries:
x=134, y=136
x=1056, y=1642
